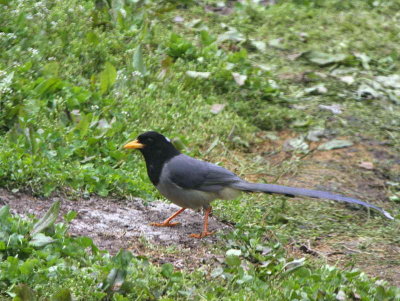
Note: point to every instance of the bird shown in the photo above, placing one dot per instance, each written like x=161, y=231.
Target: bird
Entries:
x=194, y=184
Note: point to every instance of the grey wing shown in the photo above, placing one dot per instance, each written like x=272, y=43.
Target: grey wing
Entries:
x=190, y=173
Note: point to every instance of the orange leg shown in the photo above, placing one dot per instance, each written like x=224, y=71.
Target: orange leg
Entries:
x=167, y=223
x=205, y=227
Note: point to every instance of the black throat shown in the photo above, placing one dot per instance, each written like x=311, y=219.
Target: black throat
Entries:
x=156, y=158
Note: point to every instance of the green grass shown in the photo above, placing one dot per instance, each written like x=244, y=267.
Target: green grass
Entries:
x=78, y=79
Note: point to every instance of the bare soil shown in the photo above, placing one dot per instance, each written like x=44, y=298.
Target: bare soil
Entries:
x=114, y=224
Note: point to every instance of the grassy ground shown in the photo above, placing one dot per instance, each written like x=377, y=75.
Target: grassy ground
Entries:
x=78, y=79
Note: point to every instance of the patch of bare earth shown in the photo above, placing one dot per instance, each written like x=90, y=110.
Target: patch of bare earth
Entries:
x=114, y=224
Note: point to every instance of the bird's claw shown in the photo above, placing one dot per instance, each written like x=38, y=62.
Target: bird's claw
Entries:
x=201, y=235
x=164, y=224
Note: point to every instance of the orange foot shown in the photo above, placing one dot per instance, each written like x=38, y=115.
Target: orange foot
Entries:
x=201, y=235
x=164, y=224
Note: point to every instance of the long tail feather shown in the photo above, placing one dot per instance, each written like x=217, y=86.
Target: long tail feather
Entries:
x=292, y=191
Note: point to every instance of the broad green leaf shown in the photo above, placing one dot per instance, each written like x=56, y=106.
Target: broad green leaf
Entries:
x=62, y=295
x=92, y=38
x=107, y=77
x=48, y=219
x=83, y=125
x=233, y=260
x=114, y=279
x=51, y=69
x=48, y=85
x=4, y=212
x=85, y=242
x=27, y=267
x=206, y=38
x=40, y=240
x=167, y=269
x=122, y=258
x=138, y=63
x=70, y=216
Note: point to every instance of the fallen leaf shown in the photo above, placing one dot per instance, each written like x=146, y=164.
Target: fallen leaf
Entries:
x=317, y=89
x=178, y=19
x=231, y=35
x=138, y=61
x=276, y=43
x=391, y=81
x=195, y=74
x=271, y=136
x=394, y=96
x=233, y=252
x=239, y=78
x=343, y=71
x=263, y=67
x=217, y=107
x=334, y=144
x=294, y=56
x=315, y=134
x=335, y=108
x=366, y=165
x=367, y=92
x=348, y=79
x=365, y=59
x=259, y=45
x=194, y=23
x=341, y=296
x=303, y=36
x=292, y=265
x=297, y=143
x=323, y=59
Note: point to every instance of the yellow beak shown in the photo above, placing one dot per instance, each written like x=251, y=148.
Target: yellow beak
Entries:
x=134, y=144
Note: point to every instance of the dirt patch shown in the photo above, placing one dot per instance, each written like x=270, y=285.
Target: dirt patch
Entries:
x=340, y=170
x=114, y=224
